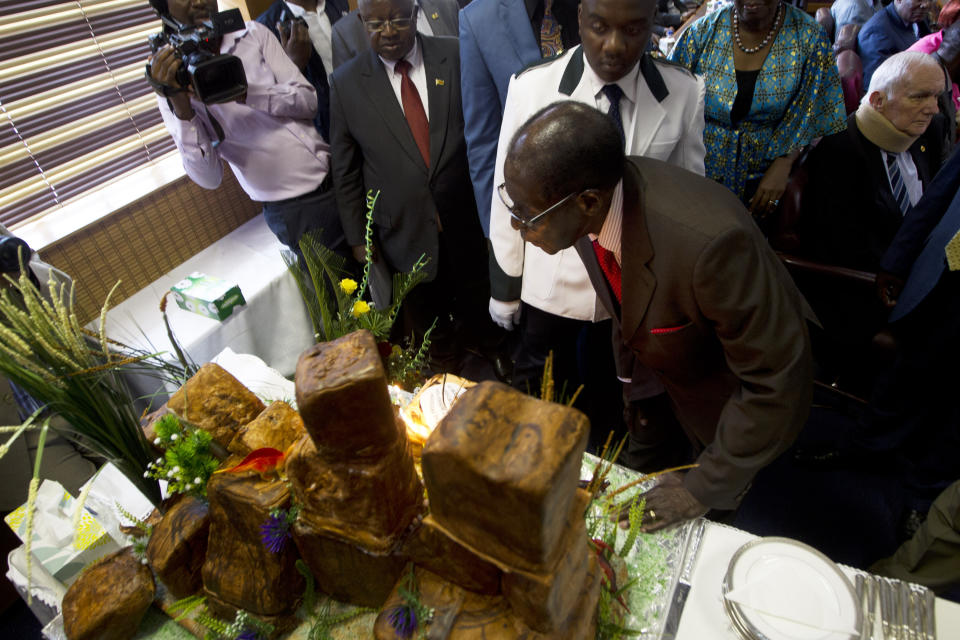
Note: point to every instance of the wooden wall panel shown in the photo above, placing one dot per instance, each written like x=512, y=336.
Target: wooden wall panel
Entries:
x=147, y=238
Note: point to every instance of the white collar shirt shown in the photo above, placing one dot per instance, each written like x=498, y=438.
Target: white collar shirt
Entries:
x=418, y=74
x=629, y=83
x=908, y=172
x=610, y=237
x=320, y=30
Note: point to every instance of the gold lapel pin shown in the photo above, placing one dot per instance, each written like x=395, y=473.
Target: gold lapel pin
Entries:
x=923, y=149
x=438, y=82
x=435, y=15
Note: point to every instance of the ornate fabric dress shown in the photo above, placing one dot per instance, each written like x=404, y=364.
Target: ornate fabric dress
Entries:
x=797, y=96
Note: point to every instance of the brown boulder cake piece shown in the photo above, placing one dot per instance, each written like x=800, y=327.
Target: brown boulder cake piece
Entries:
x=430, y=547
x=346, y=572
x=239, y=570
x=109, y=599
x=463, y=615
x=368, y=502
x=343, y=399
x=217, y=402
x=501, y=471
x=278, y=426
x=178, y=546
x=543, y=598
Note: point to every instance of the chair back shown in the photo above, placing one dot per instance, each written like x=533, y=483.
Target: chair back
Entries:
x=851, y=79
x=825, y=18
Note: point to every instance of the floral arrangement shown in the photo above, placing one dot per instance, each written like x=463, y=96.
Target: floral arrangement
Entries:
x=623, y=584
x=275, y=532
x=77, y=373
x=188, y=460
x=337, y=304
x=243, y=626
x=411, y=615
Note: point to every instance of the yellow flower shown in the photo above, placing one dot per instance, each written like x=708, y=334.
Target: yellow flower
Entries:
x=359, y=308
x=348, y=286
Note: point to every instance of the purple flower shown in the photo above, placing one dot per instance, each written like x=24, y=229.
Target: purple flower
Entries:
x=403, y=619
x=249, y=634
x=275, y=532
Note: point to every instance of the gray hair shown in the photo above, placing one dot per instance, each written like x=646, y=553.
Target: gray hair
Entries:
x=893, y=71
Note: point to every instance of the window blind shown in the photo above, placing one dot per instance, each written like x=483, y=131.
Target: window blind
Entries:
x=75, y=109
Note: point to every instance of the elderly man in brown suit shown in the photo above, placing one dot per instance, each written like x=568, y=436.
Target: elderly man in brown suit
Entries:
x=702, y=300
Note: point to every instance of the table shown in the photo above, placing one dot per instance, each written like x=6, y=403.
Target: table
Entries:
x=703, y=614
x=274, y=325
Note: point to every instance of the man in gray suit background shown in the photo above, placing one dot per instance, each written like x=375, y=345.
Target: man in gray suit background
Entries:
x=397, y=128
x=434, y=18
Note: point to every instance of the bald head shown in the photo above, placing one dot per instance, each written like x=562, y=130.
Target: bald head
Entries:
x=566, y=147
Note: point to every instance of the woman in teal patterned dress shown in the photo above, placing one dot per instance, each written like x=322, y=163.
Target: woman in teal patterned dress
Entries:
x=772, y=88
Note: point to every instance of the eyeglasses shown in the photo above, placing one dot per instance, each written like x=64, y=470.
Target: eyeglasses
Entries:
x=398, y=24
x=528, y=223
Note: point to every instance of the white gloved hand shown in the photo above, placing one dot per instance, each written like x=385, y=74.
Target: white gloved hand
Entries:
x=505, y=314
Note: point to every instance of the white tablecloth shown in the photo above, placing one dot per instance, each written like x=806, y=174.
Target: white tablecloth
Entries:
x=704, y=616
x=274, y=324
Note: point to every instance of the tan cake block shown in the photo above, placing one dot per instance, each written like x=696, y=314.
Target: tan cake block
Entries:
x=430, y=547
x=178, y=546
x=345, y=572
x=367, y=502
x=501, y=470
x=343, y=399
x=543, y=600
x=581, y=619
x=239, y=570
x=109, y=599
x=217, y=402
x=458, y=613
x=463, y=615
x=278, y=426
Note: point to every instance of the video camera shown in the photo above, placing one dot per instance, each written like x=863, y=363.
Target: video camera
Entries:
x=215, y=78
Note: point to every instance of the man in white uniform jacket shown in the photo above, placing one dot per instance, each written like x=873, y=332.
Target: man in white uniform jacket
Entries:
x=660, y=106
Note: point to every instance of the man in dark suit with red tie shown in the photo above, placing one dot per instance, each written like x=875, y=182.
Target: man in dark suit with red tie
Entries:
x=697, y=295
x=397, y=128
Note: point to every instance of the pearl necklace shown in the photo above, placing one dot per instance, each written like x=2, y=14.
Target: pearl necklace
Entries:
x=766, y=39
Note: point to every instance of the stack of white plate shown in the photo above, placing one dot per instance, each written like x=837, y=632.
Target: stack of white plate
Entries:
x=781, y=589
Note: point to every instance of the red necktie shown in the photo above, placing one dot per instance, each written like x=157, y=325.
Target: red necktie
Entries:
x=611, y=268
x=413, y=110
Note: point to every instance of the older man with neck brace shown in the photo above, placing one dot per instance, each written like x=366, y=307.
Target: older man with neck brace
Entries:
x=865, y=180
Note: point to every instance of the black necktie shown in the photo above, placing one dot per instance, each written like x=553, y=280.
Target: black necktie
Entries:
x=614, y=93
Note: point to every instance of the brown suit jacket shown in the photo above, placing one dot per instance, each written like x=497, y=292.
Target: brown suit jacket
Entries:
x=708, y=307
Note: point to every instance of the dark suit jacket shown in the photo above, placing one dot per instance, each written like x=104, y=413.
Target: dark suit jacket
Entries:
x=372, y=148
x=918, y=248
x=849, y=214
x=709, y=308
x=350, y=37
x=314, y=72
x=884, y=35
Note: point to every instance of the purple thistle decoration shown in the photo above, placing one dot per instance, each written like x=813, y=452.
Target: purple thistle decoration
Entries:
x=249, y=634
x=403, y=619
x=275, y=532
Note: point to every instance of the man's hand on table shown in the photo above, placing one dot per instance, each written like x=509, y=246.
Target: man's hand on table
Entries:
x=668, y=503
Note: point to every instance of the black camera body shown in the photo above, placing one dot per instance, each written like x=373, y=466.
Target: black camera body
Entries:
x=215, y=78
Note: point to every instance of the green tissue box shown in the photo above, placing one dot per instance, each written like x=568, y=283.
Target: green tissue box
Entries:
x=208, y=296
